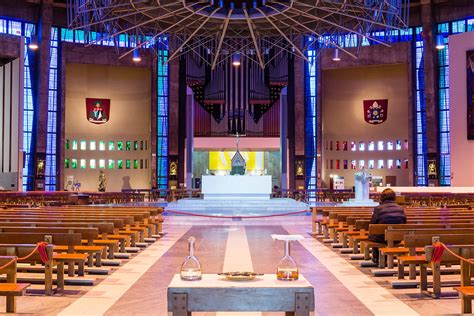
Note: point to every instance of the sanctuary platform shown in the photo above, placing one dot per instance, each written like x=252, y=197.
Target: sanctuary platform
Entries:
x=237, y=207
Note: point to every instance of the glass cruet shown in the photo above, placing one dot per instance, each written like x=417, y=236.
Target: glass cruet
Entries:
x=287, y=269
x=191, y=267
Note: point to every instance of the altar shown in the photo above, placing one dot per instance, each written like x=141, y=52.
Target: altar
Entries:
x=236, y=187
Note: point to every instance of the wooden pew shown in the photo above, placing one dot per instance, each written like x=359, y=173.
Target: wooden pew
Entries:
x=11, y=289
x=87, y=233
x=355, y=239
x=337, y=219
x=425, y=260
x=110, y=244
x=466, y=290
x=129, y=223
x=21, y=250
x=66, y=239
x=398, y=232
x=135, y=221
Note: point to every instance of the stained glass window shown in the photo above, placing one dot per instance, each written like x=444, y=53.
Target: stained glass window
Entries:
x=162, y=115
x=52, y=122
x=311, y=118
x=421, y=178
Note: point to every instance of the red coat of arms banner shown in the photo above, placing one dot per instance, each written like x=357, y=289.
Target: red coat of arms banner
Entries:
x=375, y=111
x=98, y=110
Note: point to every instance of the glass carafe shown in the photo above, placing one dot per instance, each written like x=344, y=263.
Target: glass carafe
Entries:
x=287, y=269
x=191, y=267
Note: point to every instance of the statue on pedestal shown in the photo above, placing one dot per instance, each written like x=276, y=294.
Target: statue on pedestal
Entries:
x=102, y=181
x=362, y=179
x=361, y=183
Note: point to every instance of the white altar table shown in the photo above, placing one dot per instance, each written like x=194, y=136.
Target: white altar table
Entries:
x=236, y=187
x=216, y=294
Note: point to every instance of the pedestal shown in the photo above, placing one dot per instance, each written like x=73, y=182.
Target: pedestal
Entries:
x=355, y=202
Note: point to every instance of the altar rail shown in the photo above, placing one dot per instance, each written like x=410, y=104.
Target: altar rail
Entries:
x=322, y=195
x=43, y=198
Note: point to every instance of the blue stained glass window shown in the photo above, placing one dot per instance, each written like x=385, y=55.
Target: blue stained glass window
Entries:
x=52, y=121
x=311, y=119
x=443, y=95
x=420, y=151
x=446, y=29
x=162, y=118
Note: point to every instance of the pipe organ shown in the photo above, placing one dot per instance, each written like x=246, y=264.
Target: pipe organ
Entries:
x=230, y=92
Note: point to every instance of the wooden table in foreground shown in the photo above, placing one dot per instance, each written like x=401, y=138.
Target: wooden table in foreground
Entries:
x=216, y=294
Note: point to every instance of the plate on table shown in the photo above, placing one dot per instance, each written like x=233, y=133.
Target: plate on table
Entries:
x=240, y=276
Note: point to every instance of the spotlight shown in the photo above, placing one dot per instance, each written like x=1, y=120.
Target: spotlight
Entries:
x=236, y=59
x=336, y=57
x=440, y=42
x=136, y=56
x=33, y=45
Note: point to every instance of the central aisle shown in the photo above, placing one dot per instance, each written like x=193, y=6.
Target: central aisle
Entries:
x=139, y=287
x=221, y=248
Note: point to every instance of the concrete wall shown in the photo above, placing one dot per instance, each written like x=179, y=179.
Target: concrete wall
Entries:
x=462, y=150
x=129, y=89
x=343, y=92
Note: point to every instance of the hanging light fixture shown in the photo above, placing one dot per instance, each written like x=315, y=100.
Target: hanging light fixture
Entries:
x=33, y=45
x=440, y=41
x=236, y=59
x=136, y=56
x=336, y=57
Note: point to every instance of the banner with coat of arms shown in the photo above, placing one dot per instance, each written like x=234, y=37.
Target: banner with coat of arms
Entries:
x=375, y=111
x=98, y=110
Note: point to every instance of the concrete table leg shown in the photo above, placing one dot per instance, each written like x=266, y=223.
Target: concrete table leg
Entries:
x=302, y=304
x=180, y=305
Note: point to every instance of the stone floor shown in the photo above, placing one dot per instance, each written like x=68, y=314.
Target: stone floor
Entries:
x=139, y=286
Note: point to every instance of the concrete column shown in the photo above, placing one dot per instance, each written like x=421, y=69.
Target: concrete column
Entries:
x=189, y=138
x=299, y=116
x=42, y=85
x=174, y=125
x=319, y=140
x=154, y=119
x=430, y=71
x=284, y=139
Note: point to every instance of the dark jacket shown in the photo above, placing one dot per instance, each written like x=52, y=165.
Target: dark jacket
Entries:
x=388, y=212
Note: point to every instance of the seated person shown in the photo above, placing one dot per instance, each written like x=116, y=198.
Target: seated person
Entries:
x=388, y=212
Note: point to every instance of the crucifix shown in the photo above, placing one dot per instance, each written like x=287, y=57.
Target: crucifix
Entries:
x=238, y=140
